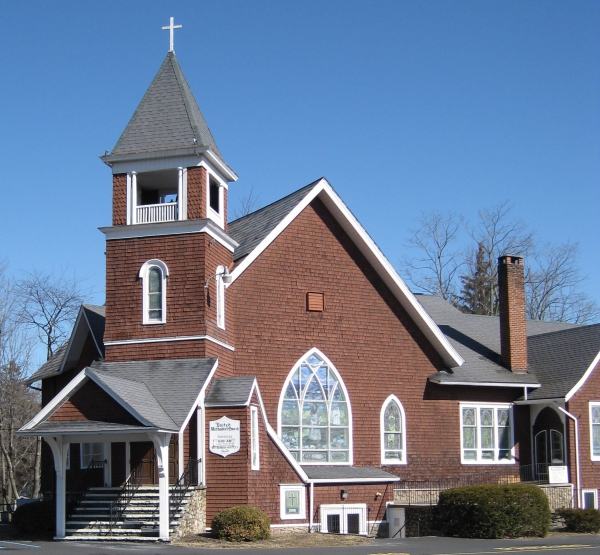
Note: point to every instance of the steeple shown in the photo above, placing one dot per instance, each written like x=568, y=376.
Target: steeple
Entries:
x=167, y=119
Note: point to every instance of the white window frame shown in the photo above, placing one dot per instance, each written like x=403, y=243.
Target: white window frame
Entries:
x=82, y=454
x=143, y=275
x=342, y=385
x=68, y=461
x=254, y=440
x=220, y=297
x=402, y=460
x=217, y=217
x=344, y=510
x=592, y=405
x=301, y=490
x=495, y=407
x=595, y=492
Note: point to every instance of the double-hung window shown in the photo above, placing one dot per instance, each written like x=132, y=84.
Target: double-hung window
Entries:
x=595, y=430
x=486, y=434
x=91, y=452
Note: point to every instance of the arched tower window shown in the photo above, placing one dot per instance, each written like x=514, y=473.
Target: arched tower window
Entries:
x=154, y=281
x=315, y=420
x=393, y=432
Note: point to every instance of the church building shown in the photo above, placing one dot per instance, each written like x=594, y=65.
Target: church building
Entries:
x=280, y=361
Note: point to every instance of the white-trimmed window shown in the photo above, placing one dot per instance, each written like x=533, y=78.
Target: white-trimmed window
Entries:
x=486, y=434
x=589, y=498
x=595, y=430
x=393, y=435
x=91, y=452
x=292, y=502
x=314, y=416
x=254, y=445
x=215, y=198
x=154, y=283
x=220, y=297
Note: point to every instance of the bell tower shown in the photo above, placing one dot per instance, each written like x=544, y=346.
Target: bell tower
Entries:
x=167, y=251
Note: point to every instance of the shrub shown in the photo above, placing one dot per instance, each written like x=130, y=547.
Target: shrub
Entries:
x=35, y=518
x=581, y=520
x=502, y=511
x=240, y=524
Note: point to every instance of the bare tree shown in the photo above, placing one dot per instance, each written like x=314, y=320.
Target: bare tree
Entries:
x=49, y=304
x=247, y=204
x=434, y=268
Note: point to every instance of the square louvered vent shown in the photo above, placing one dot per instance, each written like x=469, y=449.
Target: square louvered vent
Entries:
x=315, y=302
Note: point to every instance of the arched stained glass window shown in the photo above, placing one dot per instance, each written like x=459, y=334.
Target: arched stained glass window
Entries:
x=315, y=417
x=393, y=437
x=154, y=275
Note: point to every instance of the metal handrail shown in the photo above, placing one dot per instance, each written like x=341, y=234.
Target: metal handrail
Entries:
x=188, y=479
x=77, y=493
x=118, y=506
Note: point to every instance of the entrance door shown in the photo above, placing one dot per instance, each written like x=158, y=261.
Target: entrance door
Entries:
x=143, y=457
x=548, y=432
x=174, y=459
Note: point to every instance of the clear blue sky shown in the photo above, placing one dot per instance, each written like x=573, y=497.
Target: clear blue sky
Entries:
x=403, y=106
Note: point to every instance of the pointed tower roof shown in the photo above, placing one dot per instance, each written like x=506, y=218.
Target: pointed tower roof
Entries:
x=167, y=119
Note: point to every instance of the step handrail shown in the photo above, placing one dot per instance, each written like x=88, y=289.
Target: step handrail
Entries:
x=118, y=506
x=188, y=479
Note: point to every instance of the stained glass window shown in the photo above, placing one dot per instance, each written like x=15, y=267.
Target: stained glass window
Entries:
x=392, y=428
x=155, y=294
x=486, y=434
x=315, y=414
x=153, y=274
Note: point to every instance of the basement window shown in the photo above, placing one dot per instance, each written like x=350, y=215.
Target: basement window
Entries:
x=315, y=302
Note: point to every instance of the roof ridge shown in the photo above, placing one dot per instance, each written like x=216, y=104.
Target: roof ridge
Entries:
x=575, y=328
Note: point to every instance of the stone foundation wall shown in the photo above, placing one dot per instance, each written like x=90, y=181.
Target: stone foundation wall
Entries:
x=193, y=520
x=420, y=521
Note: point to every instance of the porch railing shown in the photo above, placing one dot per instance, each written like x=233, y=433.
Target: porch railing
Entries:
x=188, y=479
x=76, y=494
x=118, y=506
x=427, y=492
x=150, y=213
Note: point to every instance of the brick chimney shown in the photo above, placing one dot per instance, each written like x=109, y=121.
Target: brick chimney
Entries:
x=513, y=324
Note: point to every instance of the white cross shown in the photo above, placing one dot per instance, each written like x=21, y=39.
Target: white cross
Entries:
x=171, y=28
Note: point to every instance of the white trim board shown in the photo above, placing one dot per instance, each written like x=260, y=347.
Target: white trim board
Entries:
x=583, y=378
x=167, y=339
x=374, y=256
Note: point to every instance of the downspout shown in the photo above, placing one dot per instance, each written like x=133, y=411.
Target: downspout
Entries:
x=311, y=504
x=576, y=451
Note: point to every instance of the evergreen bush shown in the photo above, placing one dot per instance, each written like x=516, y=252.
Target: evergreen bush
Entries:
x=241, y=524
x=494, y=511
x=35, y=518
x=581, y=520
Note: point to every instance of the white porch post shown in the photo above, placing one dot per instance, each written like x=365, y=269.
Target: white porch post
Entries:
x=134, y=197
x=59, y=452
x=161, y=444
x=179, y=193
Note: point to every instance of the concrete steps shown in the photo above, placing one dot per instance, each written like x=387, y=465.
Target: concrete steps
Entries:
x=139, y=521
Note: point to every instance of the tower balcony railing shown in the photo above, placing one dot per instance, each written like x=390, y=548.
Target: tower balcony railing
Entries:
x=152, y=213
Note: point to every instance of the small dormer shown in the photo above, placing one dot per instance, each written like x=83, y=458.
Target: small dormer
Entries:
x=166, y=165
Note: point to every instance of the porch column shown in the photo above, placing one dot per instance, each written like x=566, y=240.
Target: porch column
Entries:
x=161, y=444
x=59, y=452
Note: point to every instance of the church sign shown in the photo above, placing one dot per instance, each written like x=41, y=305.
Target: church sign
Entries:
x=224, y=436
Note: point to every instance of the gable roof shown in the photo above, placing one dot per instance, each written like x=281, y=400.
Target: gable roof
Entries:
x=258, y=230
x=230, y=391
x=559, y=354
x=562, y=360
x=167, y=118
x=51, y=367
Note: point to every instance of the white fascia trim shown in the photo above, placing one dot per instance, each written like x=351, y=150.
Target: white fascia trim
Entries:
x=352, y=480
x=167, y=339
x=548, y=402
x=54, y=403
x=221, y=167
x=583, y=378
x=178, y=227
x=277, y=441
x=376, y=258
x=92, y=376
x=200, y=398
x=489, y=384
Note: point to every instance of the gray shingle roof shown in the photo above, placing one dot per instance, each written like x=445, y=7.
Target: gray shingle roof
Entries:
x=80, y=427
x=250, y=230
x=560, y=359
x=477, y=339
x=50, y=367
x=230, y=391
x=96, y=316
x=349, y=473
x=137, y=395
x=174, y=384
x=167, y=118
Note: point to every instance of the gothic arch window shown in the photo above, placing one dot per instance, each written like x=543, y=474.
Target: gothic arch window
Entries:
x=315, y=419
x=393, y=432
x=154, y=283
